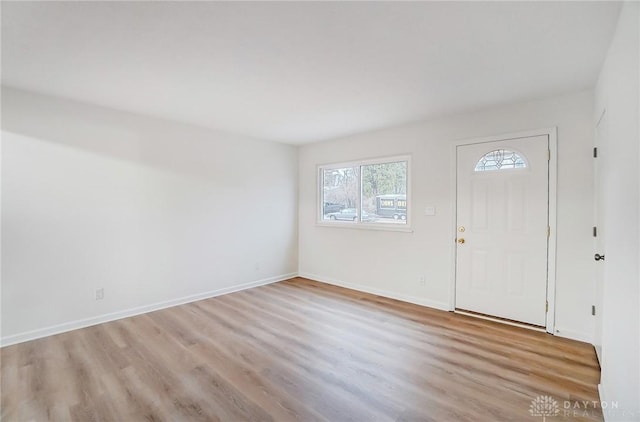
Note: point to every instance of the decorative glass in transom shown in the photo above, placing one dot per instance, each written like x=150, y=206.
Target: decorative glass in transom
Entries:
x=500, y=159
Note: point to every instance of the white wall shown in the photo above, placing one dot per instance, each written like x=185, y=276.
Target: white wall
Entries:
x=152, y=211
x=390, y=263
x=617, y=91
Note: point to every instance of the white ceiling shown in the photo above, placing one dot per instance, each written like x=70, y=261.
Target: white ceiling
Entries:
x=305, y=71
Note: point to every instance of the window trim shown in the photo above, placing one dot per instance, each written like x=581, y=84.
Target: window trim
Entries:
x=367, y=225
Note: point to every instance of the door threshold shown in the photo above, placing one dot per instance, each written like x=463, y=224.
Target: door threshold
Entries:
x=500, y=320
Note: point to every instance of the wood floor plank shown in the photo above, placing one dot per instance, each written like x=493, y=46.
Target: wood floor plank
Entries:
x=296, y=351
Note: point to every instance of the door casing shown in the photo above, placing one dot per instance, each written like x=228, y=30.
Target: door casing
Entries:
x=551, y=250
x=601, y=133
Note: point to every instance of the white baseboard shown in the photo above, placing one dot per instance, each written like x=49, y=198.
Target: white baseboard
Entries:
x=574, y=335
x=443, y=306
x=598, y=354
x=603, y=399
x=87, y=322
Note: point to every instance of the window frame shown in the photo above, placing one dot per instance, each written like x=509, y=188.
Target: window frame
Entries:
x=516, y=152
x=358, y=224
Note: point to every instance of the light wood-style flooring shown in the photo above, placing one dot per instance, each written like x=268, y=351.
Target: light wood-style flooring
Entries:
x=296, y=350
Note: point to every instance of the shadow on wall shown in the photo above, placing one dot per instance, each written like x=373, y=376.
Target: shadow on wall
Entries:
x=166, y=145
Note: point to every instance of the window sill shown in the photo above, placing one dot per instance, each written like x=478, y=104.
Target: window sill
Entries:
x=364, y=226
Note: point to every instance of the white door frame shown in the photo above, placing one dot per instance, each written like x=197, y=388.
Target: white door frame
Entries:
x=551, y=248
x=599, y=226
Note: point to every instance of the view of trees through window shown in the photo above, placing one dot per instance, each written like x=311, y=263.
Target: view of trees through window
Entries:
x=375, y=193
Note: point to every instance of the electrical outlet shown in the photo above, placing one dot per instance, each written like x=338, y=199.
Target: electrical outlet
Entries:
x=422, y=280
x=99, y=293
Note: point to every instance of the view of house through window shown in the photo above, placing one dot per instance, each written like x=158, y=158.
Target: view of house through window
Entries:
x=365, y=193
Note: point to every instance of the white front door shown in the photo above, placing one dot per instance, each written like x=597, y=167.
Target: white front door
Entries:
x=502, y=228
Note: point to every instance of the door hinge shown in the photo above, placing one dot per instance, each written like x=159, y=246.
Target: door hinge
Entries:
x=548, y=155
x=595, y=231
x=548, y=231
x=595, y=152
x=546, y=306
x=593, y=309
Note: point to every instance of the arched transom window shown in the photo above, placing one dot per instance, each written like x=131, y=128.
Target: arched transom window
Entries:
x=500, y=159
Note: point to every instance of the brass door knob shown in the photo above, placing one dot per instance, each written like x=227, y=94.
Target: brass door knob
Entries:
x=461, y=241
